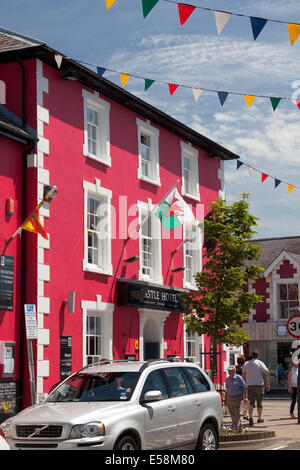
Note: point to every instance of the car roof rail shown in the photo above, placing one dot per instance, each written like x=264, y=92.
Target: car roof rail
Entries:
x=166, y=359
x=106, y=361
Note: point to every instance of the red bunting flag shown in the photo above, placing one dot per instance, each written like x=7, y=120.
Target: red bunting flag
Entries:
x=263, y=177
x=185, y=12
x=298, y=103
x=172, y=88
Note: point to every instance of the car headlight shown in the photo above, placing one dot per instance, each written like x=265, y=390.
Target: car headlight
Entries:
x=5, y=430
x=87, y=430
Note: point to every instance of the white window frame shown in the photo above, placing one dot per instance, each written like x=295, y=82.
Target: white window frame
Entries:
x=156, y=276
x=153, y=133
x=105, y=312
x=187, y=151
x=102, y=107
x=199, y=340
x=196, y=254
x=276, y=300
x=104, y=195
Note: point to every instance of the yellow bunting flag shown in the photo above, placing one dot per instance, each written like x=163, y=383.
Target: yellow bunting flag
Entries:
x=290, y=188
x=109, y=3
x=124, y=77
x=294, y=31
x=249, y=99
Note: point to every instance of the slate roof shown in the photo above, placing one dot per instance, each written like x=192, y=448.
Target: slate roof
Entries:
x=274, y=246
x=12, y=43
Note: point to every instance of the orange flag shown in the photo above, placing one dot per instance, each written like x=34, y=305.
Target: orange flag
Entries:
x=33, y=224
x=294, y=31
x=124, y=77
x=290, y=188
x=109, y=3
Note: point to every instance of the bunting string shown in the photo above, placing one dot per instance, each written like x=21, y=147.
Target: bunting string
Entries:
x=197, y=91
x=265, y=176
x=221, y=17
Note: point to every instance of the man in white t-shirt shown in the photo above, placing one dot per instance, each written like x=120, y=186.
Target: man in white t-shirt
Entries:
x=253, y=372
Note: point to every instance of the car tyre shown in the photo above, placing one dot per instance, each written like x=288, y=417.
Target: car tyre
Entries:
x=126, y=443
x=208, y=438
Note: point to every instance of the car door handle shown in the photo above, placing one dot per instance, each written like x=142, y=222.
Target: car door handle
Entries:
x=198, y=402
x=171, y=408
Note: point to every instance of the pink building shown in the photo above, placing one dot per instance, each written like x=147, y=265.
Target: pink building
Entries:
x=112, y=157
x=279, y=287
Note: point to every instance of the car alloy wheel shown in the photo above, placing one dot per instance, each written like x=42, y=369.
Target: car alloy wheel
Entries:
x=126, y=443
x=207, y=438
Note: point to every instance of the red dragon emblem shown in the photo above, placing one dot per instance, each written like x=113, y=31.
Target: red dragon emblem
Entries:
x=175, y=209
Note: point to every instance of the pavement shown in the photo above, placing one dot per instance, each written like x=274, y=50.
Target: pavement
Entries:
x=276, y=415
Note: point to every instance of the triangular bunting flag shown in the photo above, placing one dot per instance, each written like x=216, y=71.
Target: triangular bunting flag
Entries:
x=172, y=88
x=124, y=77
x=298, y=103
x=277, y=182
x=239, y=164
x=249, y=99
x=264, y=177
x=100, y=71
x=58, y=59
x=222, y=96
x=275, y=102
x=148, y=83
x=221, y=20
x=109, y=3
x=257, y=25
x=294, y=31
x=290, y=188
x=251, y=171
x=148, y=5
x=197, y=93
x=185, y=12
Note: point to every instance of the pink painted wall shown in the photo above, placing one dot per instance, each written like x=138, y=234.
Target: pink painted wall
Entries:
x=11, y=186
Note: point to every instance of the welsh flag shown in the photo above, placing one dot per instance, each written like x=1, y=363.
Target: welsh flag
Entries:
x=174, y=211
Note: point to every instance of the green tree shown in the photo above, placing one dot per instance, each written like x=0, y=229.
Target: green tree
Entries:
x=222, y=301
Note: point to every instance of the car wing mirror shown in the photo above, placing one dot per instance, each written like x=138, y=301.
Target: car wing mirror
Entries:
x=153, y=395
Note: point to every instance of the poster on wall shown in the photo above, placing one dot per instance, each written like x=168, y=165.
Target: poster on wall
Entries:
x=6, y=282
x=65, y=357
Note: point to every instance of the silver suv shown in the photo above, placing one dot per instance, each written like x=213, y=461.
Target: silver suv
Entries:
x=123, y=405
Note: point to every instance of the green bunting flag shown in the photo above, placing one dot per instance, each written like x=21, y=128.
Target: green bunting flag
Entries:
x=148, y=83
x=239, y=164
x=275, y=102
x=148, y=5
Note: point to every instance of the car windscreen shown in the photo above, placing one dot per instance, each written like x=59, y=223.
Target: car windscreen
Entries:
x=106, y=386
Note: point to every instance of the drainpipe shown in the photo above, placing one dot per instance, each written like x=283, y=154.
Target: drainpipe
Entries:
x=23, y=85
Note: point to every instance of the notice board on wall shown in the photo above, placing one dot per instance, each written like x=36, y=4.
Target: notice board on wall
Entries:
x=65, y=357
x=6, y=282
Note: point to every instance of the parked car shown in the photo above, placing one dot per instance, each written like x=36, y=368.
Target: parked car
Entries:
x=3, y=443
x=124, y=405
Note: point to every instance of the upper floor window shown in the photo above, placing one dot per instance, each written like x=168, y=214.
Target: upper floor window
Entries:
x=148, y=169
x=97, y=228
x=287, y=300
x=190, y=174
x=96, y=128
x=192, y=254
x=149, y=245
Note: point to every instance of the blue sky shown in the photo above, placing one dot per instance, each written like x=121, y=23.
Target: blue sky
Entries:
x=158, y=47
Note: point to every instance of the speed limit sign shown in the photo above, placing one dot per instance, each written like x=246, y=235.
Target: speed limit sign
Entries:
x=293, y=326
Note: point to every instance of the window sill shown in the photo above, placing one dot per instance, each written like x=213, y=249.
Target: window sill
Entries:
x=149, y=180
x=157, y=280
x=91, y=268
x=106, y=162
x=195, y=197
x=187, y=285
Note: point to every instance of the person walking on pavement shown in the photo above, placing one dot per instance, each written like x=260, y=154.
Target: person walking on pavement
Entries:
x=239, y=370
x=293, y=383
x=253, y=372
x=236, y=389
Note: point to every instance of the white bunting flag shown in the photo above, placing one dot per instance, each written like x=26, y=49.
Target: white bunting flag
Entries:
x=221, y=20
x=58, y=59
x=197, y=93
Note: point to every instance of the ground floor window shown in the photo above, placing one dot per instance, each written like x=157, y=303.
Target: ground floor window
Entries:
x=93, y=338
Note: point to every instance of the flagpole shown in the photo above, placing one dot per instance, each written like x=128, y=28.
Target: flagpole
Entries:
x=185, y=240
x=49, y=195
x=151, y=212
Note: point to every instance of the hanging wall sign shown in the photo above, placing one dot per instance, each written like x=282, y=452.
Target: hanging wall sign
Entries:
x=6, y=282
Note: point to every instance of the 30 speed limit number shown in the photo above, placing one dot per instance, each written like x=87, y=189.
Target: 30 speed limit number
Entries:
x=293, y=326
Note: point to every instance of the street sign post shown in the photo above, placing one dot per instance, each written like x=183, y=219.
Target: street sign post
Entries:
x=293, y=329
x=31, y=333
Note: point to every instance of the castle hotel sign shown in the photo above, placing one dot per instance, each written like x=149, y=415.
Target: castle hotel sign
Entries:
x=143, y=295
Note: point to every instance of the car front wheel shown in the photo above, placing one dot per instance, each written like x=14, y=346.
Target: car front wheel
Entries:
x=208, y=439
x=126, y=443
